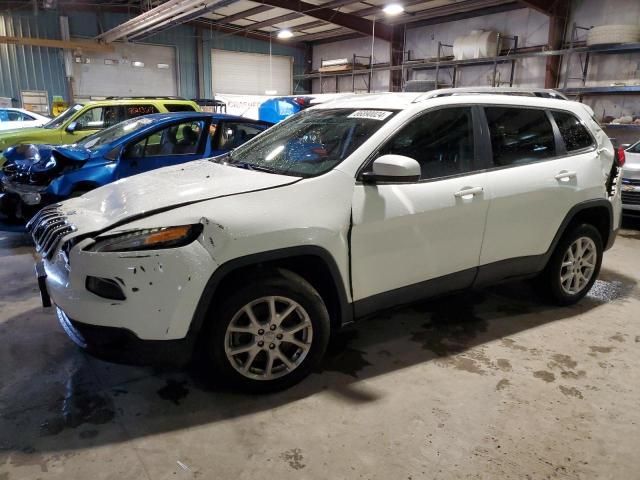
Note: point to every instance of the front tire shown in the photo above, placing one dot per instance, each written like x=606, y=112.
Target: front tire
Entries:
x=270, y=333
x=574, y=265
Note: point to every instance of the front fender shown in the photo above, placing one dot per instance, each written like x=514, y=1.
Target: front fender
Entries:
x=89, y=175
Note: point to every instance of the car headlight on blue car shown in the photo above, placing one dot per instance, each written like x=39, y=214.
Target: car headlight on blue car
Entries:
x=148, y=239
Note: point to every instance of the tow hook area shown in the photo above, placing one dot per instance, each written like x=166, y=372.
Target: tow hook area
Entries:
x=42, y=284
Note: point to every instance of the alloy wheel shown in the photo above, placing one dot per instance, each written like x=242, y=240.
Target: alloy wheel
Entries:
x=578, y=265
x=268, y=338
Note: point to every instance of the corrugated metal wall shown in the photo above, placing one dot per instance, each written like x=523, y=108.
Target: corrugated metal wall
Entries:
x=27, y=67
x=36, y=68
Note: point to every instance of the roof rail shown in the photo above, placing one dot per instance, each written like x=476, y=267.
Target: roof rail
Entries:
x=208, y=102
x=152, y=97
x=519, y=91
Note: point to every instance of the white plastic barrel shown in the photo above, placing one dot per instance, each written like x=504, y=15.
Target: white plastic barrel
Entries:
x=478, y=44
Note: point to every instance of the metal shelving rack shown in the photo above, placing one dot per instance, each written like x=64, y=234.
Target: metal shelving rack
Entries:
x=511, y=57
x=353, y=73
x=441, y=62
x=585, y=53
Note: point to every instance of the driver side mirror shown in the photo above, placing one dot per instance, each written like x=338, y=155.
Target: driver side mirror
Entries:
x=394, y=169
x=72, y=127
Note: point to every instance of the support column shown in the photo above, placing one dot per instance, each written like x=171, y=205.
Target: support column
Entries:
x=558, y=19
x=199, y=64
x=397, y=56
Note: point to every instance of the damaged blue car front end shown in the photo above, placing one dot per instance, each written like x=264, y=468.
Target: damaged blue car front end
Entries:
x=37, y=175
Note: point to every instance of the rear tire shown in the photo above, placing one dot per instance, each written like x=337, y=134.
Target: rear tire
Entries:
x=574, y=266
x=270, y=333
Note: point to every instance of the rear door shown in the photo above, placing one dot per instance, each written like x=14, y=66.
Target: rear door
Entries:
x=231, y=134
x=544, y=163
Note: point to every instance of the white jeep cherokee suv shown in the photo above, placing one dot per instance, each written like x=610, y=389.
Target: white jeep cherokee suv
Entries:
x=340, y=211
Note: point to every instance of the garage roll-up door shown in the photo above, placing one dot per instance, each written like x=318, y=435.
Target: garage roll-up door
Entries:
x=248, y=73
x=131, y=70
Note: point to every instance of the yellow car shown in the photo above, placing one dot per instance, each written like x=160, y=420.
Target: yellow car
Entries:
x=84, y=119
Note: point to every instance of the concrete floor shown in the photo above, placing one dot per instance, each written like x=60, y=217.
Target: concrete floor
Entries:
x=483, y=385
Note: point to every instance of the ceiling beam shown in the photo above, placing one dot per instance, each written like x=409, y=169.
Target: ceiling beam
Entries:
x=437, y=15
x=543, y=6
x=179, y=19
x=243, y=14
x=207, y=25
x=350, y=21
x=295, y=15
x=272, y=21
x=446, y=10
x=85, y=45
x=364, y=12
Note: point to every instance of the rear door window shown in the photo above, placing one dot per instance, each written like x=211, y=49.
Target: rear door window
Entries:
x=132, y=111
x=15, y=116
x=573, y=132
x=234, y=134
x=520, y=135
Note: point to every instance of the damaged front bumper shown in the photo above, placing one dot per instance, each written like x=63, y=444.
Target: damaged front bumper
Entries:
x=122, y=346
x=31, y=195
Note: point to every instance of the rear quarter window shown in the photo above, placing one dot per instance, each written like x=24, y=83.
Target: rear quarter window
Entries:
x=178, y=108
x=520, y=135
x=573, y=132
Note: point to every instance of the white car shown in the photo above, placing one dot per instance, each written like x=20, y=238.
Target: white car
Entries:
x=631, y=180
x=340, y=211
x=11, y=118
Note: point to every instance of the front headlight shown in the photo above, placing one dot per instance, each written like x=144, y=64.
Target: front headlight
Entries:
x=148, y=239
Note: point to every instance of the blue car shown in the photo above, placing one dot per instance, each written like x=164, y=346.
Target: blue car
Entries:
x=37, y=175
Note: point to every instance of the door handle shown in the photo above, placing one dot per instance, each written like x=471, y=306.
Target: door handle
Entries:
x=565, y=175
x=468, y=192
x=600, y=151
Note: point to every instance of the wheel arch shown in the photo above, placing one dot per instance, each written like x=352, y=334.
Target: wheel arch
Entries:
x=597, y=212
x=314, y=264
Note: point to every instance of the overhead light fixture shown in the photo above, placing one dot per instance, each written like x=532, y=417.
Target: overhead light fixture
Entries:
x=393, y=9
x=285, y=34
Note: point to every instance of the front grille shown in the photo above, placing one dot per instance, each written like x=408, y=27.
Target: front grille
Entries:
x=630, y=181
x=631, y=198
x=47, y=229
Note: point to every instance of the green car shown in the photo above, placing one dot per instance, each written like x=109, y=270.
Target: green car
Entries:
x=84, y=119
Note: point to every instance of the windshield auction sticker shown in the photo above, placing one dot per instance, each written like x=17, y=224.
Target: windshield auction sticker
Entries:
x=370, y=114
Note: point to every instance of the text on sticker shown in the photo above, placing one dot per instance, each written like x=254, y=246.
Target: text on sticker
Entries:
x=370, y=114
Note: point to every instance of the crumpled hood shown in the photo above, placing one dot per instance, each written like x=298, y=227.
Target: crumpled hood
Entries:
x=163, y=189
x=35, y=153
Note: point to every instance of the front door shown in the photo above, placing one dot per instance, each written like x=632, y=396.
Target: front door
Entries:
x=412, y=240
x=177, y=143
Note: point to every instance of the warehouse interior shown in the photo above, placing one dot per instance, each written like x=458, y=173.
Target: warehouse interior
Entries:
x=484, y=383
